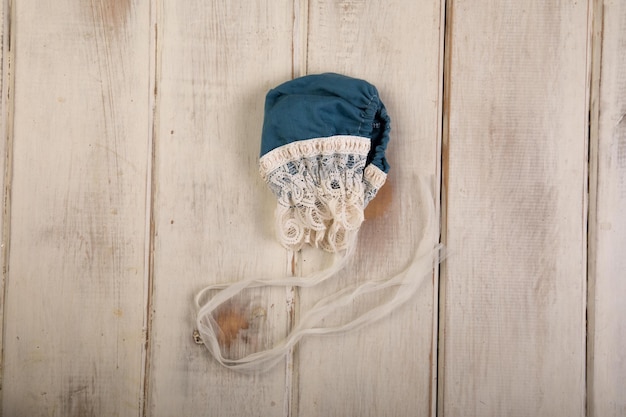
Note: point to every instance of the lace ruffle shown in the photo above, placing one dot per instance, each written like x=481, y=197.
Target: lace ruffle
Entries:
x=322, y=187
x=374, y=179
x=311, y=148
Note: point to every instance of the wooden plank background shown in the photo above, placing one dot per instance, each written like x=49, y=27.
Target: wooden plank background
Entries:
x=74, y=299
x=216, y=62
x=515, y=168
x=389, y=368
x=131, y=132
x=607, y=327
x=5, y=168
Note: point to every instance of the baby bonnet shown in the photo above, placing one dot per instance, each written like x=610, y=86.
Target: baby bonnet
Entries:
x=323, y=147
x=323, y=156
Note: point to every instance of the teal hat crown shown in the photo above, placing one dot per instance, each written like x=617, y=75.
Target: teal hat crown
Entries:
x=323, y=156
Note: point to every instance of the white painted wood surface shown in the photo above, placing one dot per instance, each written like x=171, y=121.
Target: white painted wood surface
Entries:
x=74, y=302
x=607, y=310
x=5, y=131
x=513, y=325
x=213, y=214
x=386, y=369
x=131, y=136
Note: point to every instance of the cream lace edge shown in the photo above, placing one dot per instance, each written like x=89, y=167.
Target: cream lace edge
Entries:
x=374, y=178
x=322, y=187
x=309, y=148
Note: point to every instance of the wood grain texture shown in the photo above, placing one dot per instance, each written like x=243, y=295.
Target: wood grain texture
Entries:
x=213, y=214
x=130, y=140
x=513, y=332
x=385, y=369
x=74, y=310
x=607, y=337
x=5, y=158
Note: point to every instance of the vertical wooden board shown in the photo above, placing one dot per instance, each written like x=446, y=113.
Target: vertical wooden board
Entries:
x=515, y=173
x=607, y=359
x=75, y=302
x=4, y=156
x=213, y=214
x=385, y=369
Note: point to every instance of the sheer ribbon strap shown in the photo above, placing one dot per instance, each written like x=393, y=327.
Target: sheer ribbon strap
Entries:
x=406, y=282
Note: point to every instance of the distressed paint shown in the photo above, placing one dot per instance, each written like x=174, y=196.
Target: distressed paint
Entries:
x=6, y=90
x=385, y=369
x=607, y=337
x=73, y=323
x=113, y=14
x=79, y=237
x=513, y=298
x=212, y=212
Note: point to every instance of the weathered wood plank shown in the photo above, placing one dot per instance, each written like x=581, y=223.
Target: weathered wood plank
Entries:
x=607, y=310
x=5, y=157
x=213, y=214
x=385, y=369
x=74, y=308
x=515, y=173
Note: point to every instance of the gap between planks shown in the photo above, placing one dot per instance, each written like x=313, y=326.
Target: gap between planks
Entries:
x=596, y=15
x=437, y=408
x=151, y=180
x=7, y=113
x=440, y=204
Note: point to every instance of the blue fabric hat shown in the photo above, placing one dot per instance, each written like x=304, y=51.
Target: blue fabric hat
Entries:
x=323, y=156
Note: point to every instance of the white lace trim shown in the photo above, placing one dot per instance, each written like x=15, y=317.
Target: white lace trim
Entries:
x=374, y=178
x=322, y=189
x=309, y=148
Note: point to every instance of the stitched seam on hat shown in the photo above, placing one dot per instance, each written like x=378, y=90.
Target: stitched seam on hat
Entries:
x=366, y=108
